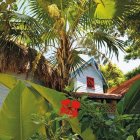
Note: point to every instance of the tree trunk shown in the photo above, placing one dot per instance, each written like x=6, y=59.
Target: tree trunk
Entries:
x=63, y=57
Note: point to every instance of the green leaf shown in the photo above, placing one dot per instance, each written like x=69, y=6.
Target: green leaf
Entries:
x=109, y=122
x=86, y=135
x=6, y=138
x=130, y=102
x=105, y=9
x=130, y=138
x=85, y=125
x=81, y=114
x=10, y=1
x=3, y=6
x=17, y=110
x=138, y=132
x=8, y=81
x=55, y=99
x=31, y=105
x=110, y=9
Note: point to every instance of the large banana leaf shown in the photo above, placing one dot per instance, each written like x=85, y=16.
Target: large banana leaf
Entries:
x=131, y=101
x=55, y=99
x=8, y=81
x=16, y=113
x=18, y=99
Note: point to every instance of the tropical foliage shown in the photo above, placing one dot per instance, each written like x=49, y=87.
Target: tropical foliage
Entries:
x=69, y=28
x=130, y=103
x=8, y=5
x=119, y=126
x=57, y=127
x=133, y=73
x=130, y=27
x=131, y=137
x=104, y=125
x=19, y=110
x=26, y=99
x=41, y=118
x=61, y=25
x=113, y=75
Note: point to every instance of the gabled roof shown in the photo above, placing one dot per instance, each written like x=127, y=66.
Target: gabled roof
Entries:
x=91, y=61
x=124, y=87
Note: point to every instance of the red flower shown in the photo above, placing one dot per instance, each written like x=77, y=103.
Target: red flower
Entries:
x=70, y=107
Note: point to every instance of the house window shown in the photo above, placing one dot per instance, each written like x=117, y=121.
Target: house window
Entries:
x=90, y=82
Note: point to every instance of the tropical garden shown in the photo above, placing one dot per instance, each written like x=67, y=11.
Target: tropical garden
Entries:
x=55, y=32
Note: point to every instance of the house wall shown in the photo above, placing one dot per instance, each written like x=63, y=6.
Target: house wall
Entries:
x=80, y=81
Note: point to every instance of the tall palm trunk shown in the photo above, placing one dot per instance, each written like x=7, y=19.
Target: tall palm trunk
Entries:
x=64, y=58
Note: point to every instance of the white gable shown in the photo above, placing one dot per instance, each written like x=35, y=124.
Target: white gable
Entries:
x=80, y=81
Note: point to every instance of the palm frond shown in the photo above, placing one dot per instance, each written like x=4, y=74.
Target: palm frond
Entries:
x=99, y=41
x=20, y=28
x=74, y=59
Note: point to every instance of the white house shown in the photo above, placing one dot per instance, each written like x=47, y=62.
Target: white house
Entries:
x=89, y=79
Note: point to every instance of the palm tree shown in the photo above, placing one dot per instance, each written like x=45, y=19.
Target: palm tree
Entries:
x=62, y=24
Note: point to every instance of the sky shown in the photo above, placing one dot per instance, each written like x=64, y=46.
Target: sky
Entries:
x=125, y=66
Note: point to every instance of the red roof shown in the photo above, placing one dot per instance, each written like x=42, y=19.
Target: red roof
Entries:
x=124, y=87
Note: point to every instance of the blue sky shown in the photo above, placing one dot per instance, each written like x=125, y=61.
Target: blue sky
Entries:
x=123, y=65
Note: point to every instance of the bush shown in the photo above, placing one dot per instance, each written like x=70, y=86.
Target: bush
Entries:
x=133, y=73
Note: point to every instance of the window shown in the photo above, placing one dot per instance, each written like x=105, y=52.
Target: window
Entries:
x=90, y=82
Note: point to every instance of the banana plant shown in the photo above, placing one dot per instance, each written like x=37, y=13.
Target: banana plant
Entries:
x=24, y=99
x=17, y=110
x=131, y=101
